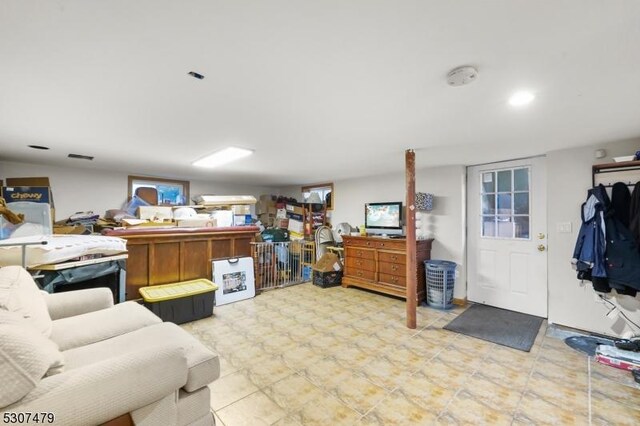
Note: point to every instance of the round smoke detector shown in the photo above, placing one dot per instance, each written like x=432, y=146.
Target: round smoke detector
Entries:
x=461, y=76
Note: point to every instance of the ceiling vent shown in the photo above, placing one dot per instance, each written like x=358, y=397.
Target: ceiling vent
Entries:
x=461, y=76
x=80, y=157
x=196, y=75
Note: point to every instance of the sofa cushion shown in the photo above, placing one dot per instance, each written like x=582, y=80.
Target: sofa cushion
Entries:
x=80, y=330
x=204, y=365
x=26, y=356
x=20, y=294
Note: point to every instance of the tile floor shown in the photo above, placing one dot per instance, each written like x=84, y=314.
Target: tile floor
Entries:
x=310, y=356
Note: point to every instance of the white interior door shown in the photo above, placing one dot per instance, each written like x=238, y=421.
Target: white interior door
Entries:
x=507, y=235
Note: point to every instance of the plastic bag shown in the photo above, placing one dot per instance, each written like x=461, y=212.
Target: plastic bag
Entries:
x=132, y=205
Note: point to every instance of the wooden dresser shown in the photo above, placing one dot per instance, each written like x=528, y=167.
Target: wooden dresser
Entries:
x=379, y=264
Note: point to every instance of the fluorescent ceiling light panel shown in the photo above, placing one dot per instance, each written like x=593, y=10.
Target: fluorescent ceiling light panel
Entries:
x=223, y=156
x=521, y=98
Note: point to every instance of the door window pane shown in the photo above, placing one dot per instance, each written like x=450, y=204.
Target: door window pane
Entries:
x=522, y=226
x=488, y=226
x=521, y=203
x=504, y=181
x=504, y=204
x=505, y=227
x=521, y=179
x=489, y=204
x=488, y=182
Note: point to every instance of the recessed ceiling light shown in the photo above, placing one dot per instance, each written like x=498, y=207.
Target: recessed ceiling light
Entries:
x=44, y=148
x=521, y=98
x=223, y=156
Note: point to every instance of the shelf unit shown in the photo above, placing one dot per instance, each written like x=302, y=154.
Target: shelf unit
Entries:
x=609, y=173
x=313, y=220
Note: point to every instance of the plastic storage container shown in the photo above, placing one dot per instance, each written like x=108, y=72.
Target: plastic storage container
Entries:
x=37, y=220
x=327, y=279
x=181, y=302
x=441, y=277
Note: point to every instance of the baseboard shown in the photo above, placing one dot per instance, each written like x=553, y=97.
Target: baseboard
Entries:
x=460, y=302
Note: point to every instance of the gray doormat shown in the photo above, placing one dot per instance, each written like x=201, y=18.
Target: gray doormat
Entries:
x=507, y=328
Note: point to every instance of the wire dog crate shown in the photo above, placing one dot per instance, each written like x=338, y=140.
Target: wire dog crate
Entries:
x=282, y=264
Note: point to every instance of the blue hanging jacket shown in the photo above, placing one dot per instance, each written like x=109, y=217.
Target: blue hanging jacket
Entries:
x=589, y=252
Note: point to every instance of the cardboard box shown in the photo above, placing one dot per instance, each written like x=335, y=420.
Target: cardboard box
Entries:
x=294, y=209
x=241, y=219
x=241, y=209
x=295, y=226
x=266, y=206
x=295, y=236
x=36, y=194
x=281, y=213
x=28, y=181
x=281, y=223
x=295, y=216
x=327, y=263
x=196, y=223
x=155, y=213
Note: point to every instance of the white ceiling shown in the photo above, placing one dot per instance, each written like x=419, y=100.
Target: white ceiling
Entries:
x=321, y=90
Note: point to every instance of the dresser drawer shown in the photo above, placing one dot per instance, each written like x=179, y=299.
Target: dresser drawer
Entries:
x=359, y=273
x=392, y=257
x=392, y=269
x=361, y=263
x=389, y=244
x=359, y=242
x=361, y=253
x=396, y=280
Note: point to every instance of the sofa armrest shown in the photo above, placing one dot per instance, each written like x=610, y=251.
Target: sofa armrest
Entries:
x=77, y=302
x=99, y=392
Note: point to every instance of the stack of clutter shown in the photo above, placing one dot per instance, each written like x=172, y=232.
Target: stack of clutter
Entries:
x=625, y=355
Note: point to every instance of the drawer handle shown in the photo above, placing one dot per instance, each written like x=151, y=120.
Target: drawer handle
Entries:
x=381, y=244
x=359, y=274
x=394, y=279
x=394, y=268
x=394, y=257
x=359, y=253
x=358, y=262
x=368, y=243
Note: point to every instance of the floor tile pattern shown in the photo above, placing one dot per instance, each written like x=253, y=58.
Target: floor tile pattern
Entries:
x=304, y=355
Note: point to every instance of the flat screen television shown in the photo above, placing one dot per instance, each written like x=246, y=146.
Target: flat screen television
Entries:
x=383, y=218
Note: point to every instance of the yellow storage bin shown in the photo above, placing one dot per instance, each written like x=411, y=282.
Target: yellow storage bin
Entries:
x=182, y=301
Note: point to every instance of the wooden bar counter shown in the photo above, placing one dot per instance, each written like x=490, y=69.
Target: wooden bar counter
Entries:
x=166, y=255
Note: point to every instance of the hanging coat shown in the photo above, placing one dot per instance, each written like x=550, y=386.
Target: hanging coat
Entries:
x=634, y=213
x=588, y=254
x=621, y=202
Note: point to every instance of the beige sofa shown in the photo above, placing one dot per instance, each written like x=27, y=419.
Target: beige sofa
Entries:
x=86, y=361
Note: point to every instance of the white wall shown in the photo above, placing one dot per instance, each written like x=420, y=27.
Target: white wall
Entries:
x=78, y=189
x=446, y=223
x=572, y=304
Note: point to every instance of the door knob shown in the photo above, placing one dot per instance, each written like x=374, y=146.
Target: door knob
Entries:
x=541, y=236
x=541, y=247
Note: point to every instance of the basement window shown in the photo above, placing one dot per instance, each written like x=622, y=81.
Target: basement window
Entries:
x=324, y=190
x=170, y=192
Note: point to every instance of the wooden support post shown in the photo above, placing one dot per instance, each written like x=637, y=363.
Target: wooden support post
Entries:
x=412, y=269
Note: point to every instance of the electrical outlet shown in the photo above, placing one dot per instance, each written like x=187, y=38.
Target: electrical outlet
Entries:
x=564, y=227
